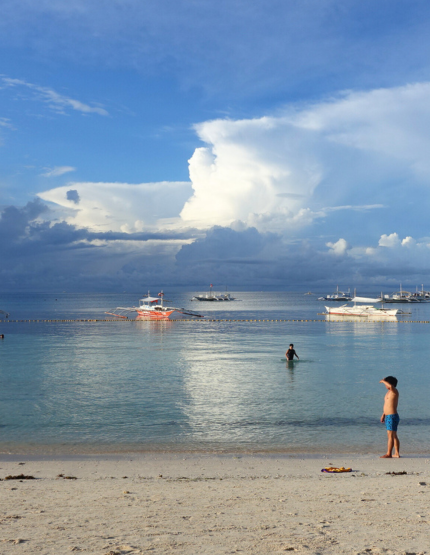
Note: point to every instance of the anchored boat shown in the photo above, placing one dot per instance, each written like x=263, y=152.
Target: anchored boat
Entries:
x=403, y=296
x=363, y=309
x=211, y=296
x=152, y=308
x=337, y=296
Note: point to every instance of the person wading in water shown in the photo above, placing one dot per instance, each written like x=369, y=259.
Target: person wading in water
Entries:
x=291, y=353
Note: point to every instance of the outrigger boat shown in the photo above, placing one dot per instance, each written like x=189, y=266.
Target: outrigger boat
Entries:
x=211, y=296
x=152, y=308
x=405, y=296
x=363, y=310
x=337, y=296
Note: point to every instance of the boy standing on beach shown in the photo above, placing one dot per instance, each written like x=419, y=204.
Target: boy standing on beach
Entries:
x=390, y=417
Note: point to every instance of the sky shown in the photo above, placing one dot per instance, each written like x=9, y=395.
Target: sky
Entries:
x=276, y=144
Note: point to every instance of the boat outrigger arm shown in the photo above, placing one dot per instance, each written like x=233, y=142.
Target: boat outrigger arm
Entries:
x=122, y=312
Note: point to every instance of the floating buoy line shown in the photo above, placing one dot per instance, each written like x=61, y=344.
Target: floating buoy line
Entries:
x=210, y=320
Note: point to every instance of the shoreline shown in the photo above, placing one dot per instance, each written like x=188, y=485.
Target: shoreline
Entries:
x=199, y=455
x=62, y=451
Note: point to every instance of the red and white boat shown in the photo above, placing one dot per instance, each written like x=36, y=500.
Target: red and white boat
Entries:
x=152, y=308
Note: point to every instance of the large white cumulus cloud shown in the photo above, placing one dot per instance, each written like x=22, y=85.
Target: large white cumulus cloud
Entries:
x=281, y=173
x=252, y=169
x=284, y=171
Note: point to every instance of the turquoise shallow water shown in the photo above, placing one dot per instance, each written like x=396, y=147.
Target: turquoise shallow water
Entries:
x=207, y=386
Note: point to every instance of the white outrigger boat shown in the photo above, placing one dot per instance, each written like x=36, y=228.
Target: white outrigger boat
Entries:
x=363, y=309
x=152, y=308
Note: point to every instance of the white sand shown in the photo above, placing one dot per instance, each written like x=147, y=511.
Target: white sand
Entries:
x=207, y=504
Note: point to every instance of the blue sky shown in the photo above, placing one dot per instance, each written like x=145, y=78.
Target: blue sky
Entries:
x=266, y=143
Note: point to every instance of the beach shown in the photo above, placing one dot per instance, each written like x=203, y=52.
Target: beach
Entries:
x=195, y=503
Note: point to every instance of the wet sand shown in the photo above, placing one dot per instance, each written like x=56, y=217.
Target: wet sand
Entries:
x=210, y=504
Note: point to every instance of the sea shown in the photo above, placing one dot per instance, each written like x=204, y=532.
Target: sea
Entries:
x=72, y=383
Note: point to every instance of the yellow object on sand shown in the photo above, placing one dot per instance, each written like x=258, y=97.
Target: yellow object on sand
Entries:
x=336, y=469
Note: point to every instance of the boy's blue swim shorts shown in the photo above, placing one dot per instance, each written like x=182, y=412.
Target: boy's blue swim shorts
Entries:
x=391, y=422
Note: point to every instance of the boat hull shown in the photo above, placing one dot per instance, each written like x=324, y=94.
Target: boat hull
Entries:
x=362, y=311
x=166, y=315
x=333, y=298
x=220, y=298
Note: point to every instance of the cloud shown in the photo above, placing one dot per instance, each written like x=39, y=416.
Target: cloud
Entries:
x=357, y=208
x=339, y=248
x=32, y=225
x=250, y=169
x=307, y=194
x=287, y=174
x=391, y=261
x=393, y=241
x=73, y=195
x=390, y=241
x=57, y=171
x=57, y=102
x=409, y=242
x=121, y=206
x=38, y=253
x=224, y=244
x=14, y=221
x=388, y=122
x=61, y=255
x=249, y=257
x=283, y=172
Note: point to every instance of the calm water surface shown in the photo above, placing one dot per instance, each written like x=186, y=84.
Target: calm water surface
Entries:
x=207, y=386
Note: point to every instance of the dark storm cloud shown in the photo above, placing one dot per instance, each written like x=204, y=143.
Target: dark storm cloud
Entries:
x=73, y=195
x=250, y=258
x=21, y=231
x=37, y=254
x=222, y=243
x=14, y=221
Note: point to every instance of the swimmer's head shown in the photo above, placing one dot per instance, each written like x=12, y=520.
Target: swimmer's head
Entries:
x=391, y=380
x=291, y=345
